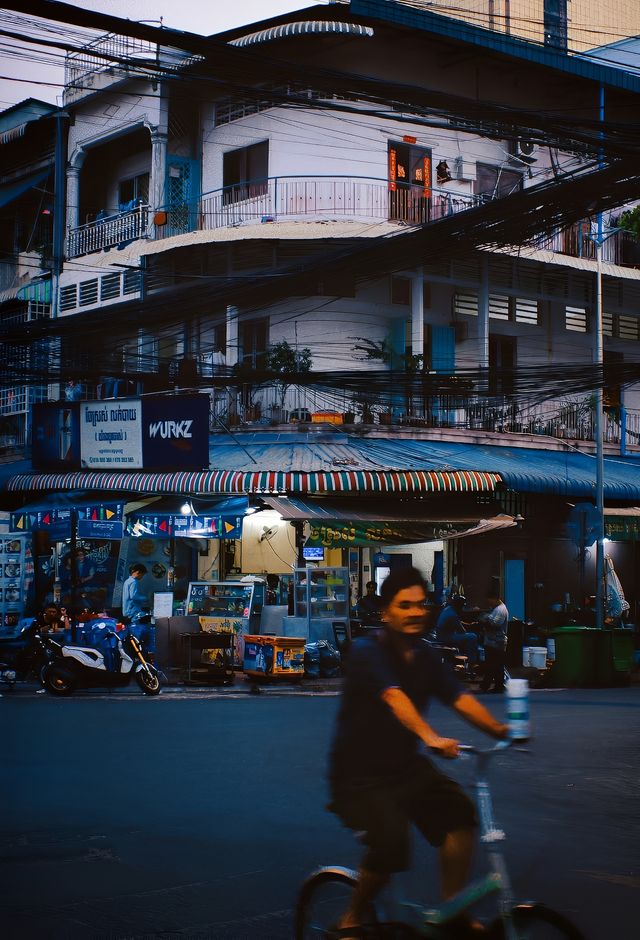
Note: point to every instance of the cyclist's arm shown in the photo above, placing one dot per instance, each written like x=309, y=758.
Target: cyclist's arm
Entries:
x=408, y=716
x=473, y=711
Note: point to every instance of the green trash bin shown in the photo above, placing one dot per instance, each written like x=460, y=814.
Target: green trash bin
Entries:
x=575, y=662
x=622, y=642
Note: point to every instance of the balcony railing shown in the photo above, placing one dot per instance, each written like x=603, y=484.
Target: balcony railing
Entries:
x=300, y=198
x=108, y=232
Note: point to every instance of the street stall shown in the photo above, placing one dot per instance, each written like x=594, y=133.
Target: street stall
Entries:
x=229, y=607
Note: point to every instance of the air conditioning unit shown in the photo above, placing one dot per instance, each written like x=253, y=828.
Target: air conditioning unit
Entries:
x=524, y=150
x=464, y=169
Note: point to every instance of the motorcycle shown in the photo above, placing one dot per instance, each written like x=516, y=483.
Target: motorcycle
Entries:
x=111, y=663
x=23, y=655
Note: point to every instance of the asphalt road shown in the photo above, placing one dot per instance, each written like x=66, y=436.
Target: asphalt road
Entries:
x=193, y=816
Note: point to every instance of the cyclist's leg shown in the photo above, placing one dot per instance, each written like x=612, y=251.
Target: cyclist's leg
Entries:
x=377, y=813
x=455, y=856
x=446, y=817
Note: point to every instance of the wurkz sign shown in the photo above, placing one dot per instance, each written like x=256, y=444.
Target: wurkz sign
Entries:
x=155, y=433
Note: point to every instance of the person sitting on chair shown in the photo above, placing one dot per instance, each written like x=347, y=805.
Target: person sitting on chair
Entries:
x=450, y=629
x=369, y=606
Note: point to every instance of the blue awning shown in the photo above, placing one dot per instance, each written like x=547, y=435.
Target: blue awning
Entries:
x=358, y=464
x=164, y=518
x=11, y=191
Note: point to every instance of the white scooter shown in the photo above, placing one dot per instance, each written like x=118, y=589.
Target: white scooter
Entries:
x=85, y=667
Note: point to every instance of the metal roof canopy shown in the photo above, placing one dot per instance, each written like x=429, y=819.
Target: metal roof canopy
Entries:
x=314, y=464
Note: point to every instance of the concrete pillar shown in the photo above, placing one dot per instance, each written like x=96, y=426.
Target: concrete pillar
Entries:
x=417, y=313
x=232, y=336
x=73, y=197
x=483, y=315
x=157, y=195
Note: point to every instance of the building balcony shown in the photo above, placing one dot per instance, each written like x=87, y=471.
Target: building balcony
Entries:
x=322, y=199
x=110, y=231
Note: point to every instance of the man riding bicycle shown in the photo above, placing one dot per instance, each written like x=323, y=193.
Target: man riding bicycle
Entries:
x=380, y=784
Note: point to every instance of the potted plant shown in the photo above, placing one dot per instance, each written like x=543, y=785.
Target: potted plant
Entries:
x=286, y=363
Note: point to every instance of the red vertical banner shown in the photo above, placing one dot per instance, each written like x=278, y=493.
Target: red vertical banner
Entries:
x=393, y=169
x=426, y=170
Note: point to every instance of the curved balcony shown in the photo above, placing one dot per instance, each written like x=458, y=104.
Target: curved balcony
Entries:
x=305, y=198
x=321, y=199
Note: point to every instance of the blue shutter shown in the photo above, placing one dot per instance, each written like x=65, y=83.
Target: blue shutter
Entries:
x=443, y=348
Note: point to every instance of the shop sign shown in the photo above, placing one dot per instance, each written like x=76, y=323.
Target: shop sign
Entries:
x=56, y=522
x=176, y=525
x=340, y=534
x=154, y=433
x=101, y=522
x=111, y=434
x=622, y=529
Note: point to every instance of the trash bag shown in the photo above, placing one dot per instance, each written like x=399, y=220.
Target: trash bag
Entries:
x=312, y=660
x=330, y=660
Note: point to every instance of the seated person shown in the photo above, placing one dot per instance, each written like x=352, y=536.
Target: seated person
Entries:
x=451, y=630
x=369, y=606
x=52, y=619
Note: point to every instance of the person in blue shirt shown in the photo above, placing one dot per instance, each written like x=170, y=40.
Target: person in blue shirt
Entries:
x=135, y=602
x=380, y=782
x=450, y=629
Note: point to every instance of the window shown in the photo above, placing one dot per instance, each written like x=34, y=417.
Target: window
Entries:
x=110, y=286
x=89, y=292
x=68, y=297
x=526, y=311
x=401, y=291
x=499, y=308
x=132, y=192
x=465, y=302
x=502, y=362
x=495, y=181
x=409, y=181
x=576, y=319
x=245, y=172
x=628, y=327
x=253, y=342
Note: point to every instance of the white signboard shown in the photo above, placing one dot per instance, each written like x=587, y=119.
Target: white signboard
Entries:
x=163, y=604
x=111, y=434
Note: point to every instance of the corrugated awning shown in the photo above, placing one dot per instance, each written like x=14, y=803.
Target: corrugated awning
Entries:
x=38, y=292
x=273, y=481
x=392, y=521
x=11, y=191
x=322, y=462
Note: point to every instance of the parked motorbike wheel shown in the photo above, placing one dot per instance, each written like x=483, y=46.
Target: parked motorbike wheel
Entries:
x=149, y=681
x=58, y=681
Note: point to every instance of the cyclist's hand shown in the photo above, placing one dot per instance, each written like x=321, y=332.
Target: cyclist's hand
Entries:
x=446, y=747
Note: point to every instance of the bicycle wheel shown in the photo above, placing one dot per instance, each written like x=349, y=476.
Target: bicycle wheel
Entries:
x=537, y=922
x=323, y=898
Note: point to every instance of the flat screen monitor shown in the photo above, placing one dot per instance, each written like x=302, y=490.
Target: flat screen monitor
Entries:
x=311, y=553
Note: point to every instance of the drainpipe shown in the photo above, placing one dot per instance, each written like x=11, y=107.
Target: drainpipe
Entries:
x=62, y=127
x=483, y=315
x=599, y=423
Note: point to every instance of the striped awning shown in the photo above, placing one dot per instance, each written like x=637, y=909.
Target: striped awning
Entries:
x=235, y=481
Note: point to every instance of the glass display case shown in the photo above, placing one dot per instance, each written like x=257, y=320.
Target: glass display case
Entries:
x=227, y=607
x=321, y=593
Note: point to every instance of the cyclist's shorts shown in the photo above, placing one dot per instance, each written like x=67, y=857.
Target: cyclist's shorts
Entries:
x=384, y=811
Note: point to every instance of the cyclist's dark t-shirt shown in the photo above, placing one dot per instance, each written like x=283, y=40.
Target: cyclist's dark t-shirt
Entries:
x=370, y=744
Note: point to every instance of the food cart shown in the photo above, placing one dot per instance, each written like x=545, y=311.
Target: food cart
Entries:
x=227, y=607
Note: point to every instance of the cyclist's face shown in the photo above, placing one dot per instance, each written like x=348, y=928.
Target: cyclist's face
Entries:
x=407, y=611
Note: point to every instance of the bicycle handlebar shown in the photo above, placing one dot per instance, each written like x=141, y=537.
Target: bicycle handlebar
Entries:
x=494, y=749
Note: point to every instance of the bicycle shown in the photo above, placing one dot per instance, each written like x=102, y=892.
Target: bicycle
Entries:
x=325, y=894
